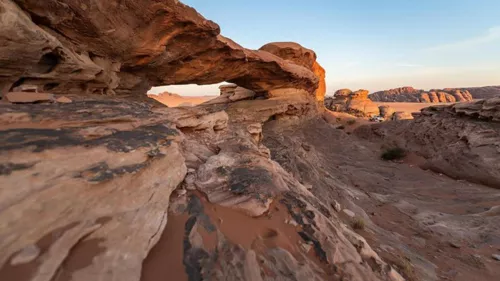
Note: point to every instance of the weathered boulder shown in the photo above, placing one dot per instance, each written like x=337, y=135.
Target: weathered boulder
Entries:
x=401, y=115
x=231, y=93
x=386, y=111
x=356, y=103
x=342, y=93
x=360, y=105
x=92, y=179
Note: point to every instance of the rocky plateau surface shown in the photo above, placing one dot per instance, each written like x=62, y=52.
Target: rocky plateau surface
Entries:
x=460, y=140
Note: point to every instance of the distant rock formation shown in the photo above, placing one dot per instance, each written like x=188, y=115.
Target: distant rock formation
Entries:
x=231, y=93
x=386, y=111
x=174, y=100
x=410, y=94
x=401, y=115
x=484, y=92
x=355, y=103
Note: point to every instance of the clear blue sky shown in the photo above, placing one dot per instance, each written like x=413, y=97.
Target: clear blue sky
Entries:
x=375, y=44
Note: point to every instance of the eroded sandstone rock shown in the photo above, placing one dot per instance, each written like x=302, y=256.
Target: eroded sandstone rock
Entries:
x=231, y=93
x=401, y=115
x=410, y=94
x=302, y=56
x=386, y=111
x=77, y=47
x=70, y=196
x=355, y=103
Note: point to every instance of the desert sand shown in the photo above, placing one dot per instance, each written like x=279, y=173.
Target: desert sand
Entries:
x=175, y=100
x=407, y=106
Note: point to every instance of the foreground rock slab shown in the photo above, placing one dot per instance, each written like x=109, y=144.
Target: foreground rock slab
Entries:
x=85, y=188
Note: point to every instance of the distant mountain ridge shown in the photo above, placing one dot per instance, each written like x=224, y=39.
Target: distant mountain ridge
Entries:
x=484, y=92
x=174, y=100
x=447, y=95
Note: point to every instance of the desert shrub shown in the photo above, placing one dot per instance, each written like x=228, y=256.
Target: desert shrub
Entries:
x=351, y=122
x=394, y=153
x=358, y=224
x=405, y=267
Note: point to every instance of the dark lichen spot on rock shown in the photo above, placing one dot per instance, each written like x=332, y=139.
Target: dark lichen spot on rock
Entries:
x=126, y=141
x=193, y=257
x=309, y=214
x=102, y=172
x=317, y=246
x=244, y=180
x=195, y=208
x=39, y=139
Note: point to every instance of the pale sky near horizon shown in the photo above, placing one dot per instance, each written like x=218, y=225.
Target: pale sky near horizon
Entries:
x=369, y=44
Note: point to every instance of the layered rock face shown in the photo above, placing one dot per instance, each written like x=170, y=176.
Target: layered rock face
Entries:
x=460, y=140
x=297, y=54
x=355, y=103
x=103, y=47
x=119, y=188
x=409, y=94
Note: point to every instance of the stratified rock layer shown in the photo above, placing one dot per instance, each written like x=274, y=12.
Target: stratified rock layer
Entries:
x=297, y=54
x=107, y=47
